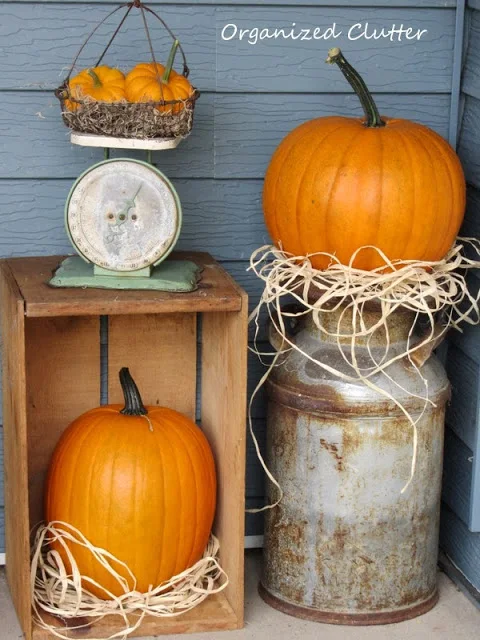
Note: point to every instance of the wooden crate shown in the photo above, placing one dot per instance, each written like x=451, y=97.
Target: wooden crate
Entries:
x=51, y=369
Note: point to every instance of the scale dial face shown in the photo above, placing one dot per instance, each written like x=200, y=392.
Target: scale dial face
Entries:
x=123, y=215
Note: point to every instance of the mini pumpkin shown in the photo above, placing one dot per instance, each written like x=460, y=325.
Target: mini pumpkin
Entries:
x=153, y=82
x=102, y=84
x=336, y=184
x=138, y=482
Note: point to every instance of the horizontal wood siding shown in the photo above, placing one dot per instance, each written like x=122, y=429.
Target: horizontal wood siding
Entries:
x=469, y=142
x=464, y=377
x=462, y=485
x=244, y=130
x=252, y=95
x=50, y=154
x=460, y=523
x=457, y=483
x=242, y=66
x=249, y=127
x=435, y=4
x=471, y=73
x=36, y=52
x=220, y=216
x=462, y=449
x=461, y=544
x=43, y=38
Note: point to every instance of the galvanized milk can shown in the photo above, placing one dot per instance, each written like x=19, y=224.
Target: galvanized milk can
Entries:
x=345, y=545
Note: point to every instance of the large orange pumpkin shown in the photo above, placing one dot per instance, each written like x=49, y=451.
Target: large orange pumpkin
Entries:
x=138, y=482
x=336, y=184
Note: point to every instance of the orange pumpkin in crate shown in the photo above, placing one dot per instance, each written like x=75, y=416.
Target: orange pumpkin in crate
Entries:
x=335, y=184
x=153, y=82
x=138, y=482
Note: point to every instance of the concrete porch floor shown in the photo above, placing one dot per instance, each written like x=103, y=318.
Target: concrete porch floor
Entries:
x=454, y=618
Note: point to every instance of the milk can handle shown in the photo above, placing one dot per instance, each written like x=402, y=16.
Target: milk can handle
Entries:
x=292, y=325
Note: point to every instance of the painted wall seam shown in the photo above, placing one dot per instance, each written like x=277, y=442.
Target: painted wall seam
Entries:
x=457, y=73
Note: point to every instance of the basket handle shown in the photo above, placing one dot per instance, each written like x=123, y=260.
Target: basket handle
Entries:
x=144, y=8
x=129, y=6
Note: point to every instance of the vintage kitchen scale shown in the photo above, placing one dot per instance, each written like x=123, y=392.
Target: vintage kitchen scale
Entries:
x=123, y=216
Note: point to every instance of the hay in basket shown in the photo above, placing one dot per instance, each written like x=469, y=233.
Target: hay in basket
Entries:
x=436, y=292
x=123, y=119
x=63, y=593
x=128, y=120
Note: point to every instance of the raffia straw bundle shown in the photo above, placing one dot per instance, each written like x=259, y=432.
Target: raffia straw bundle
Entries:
x=434, y=291
x=64, y=594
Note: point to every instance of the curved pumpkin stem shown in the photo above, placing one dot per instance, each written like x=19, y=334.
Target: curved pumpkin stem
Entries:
x=133, y=400
x=372, y=116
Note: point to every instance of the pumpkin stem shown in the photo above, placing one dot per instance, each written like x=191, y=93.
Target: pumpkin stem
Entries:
x=372, y=116
x=133, y=400
x=95, y=78
x=170, y=61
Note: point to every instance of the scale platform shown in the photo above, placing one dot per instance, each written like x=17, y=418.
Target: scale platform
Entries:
x=109, y=142
x=171, y=275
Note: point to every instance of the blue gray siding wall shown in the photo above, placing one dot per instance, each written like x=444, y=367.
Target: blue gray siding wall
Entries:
x=460, y=531
x=252, y=95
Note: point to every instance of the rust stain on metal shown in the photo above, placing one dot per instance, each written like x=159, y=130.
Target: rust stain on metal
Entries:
x=285, y=543
x=352, y=619
x=332, y=448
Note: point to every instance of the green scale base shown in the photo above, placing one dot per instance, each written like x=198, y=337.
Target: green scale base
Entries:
x=171, y=275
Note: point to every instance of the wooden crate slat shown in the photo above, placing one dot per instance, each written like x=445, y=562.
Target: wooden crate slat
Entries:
x=216, y=291
x=161, y=353
x=63, y=381
x=224, y=366
x=213, y=613
x=15, y=447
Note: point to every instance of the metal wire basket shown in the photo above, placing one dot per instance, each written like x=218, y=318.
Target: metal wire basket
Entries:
x=144, y=120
